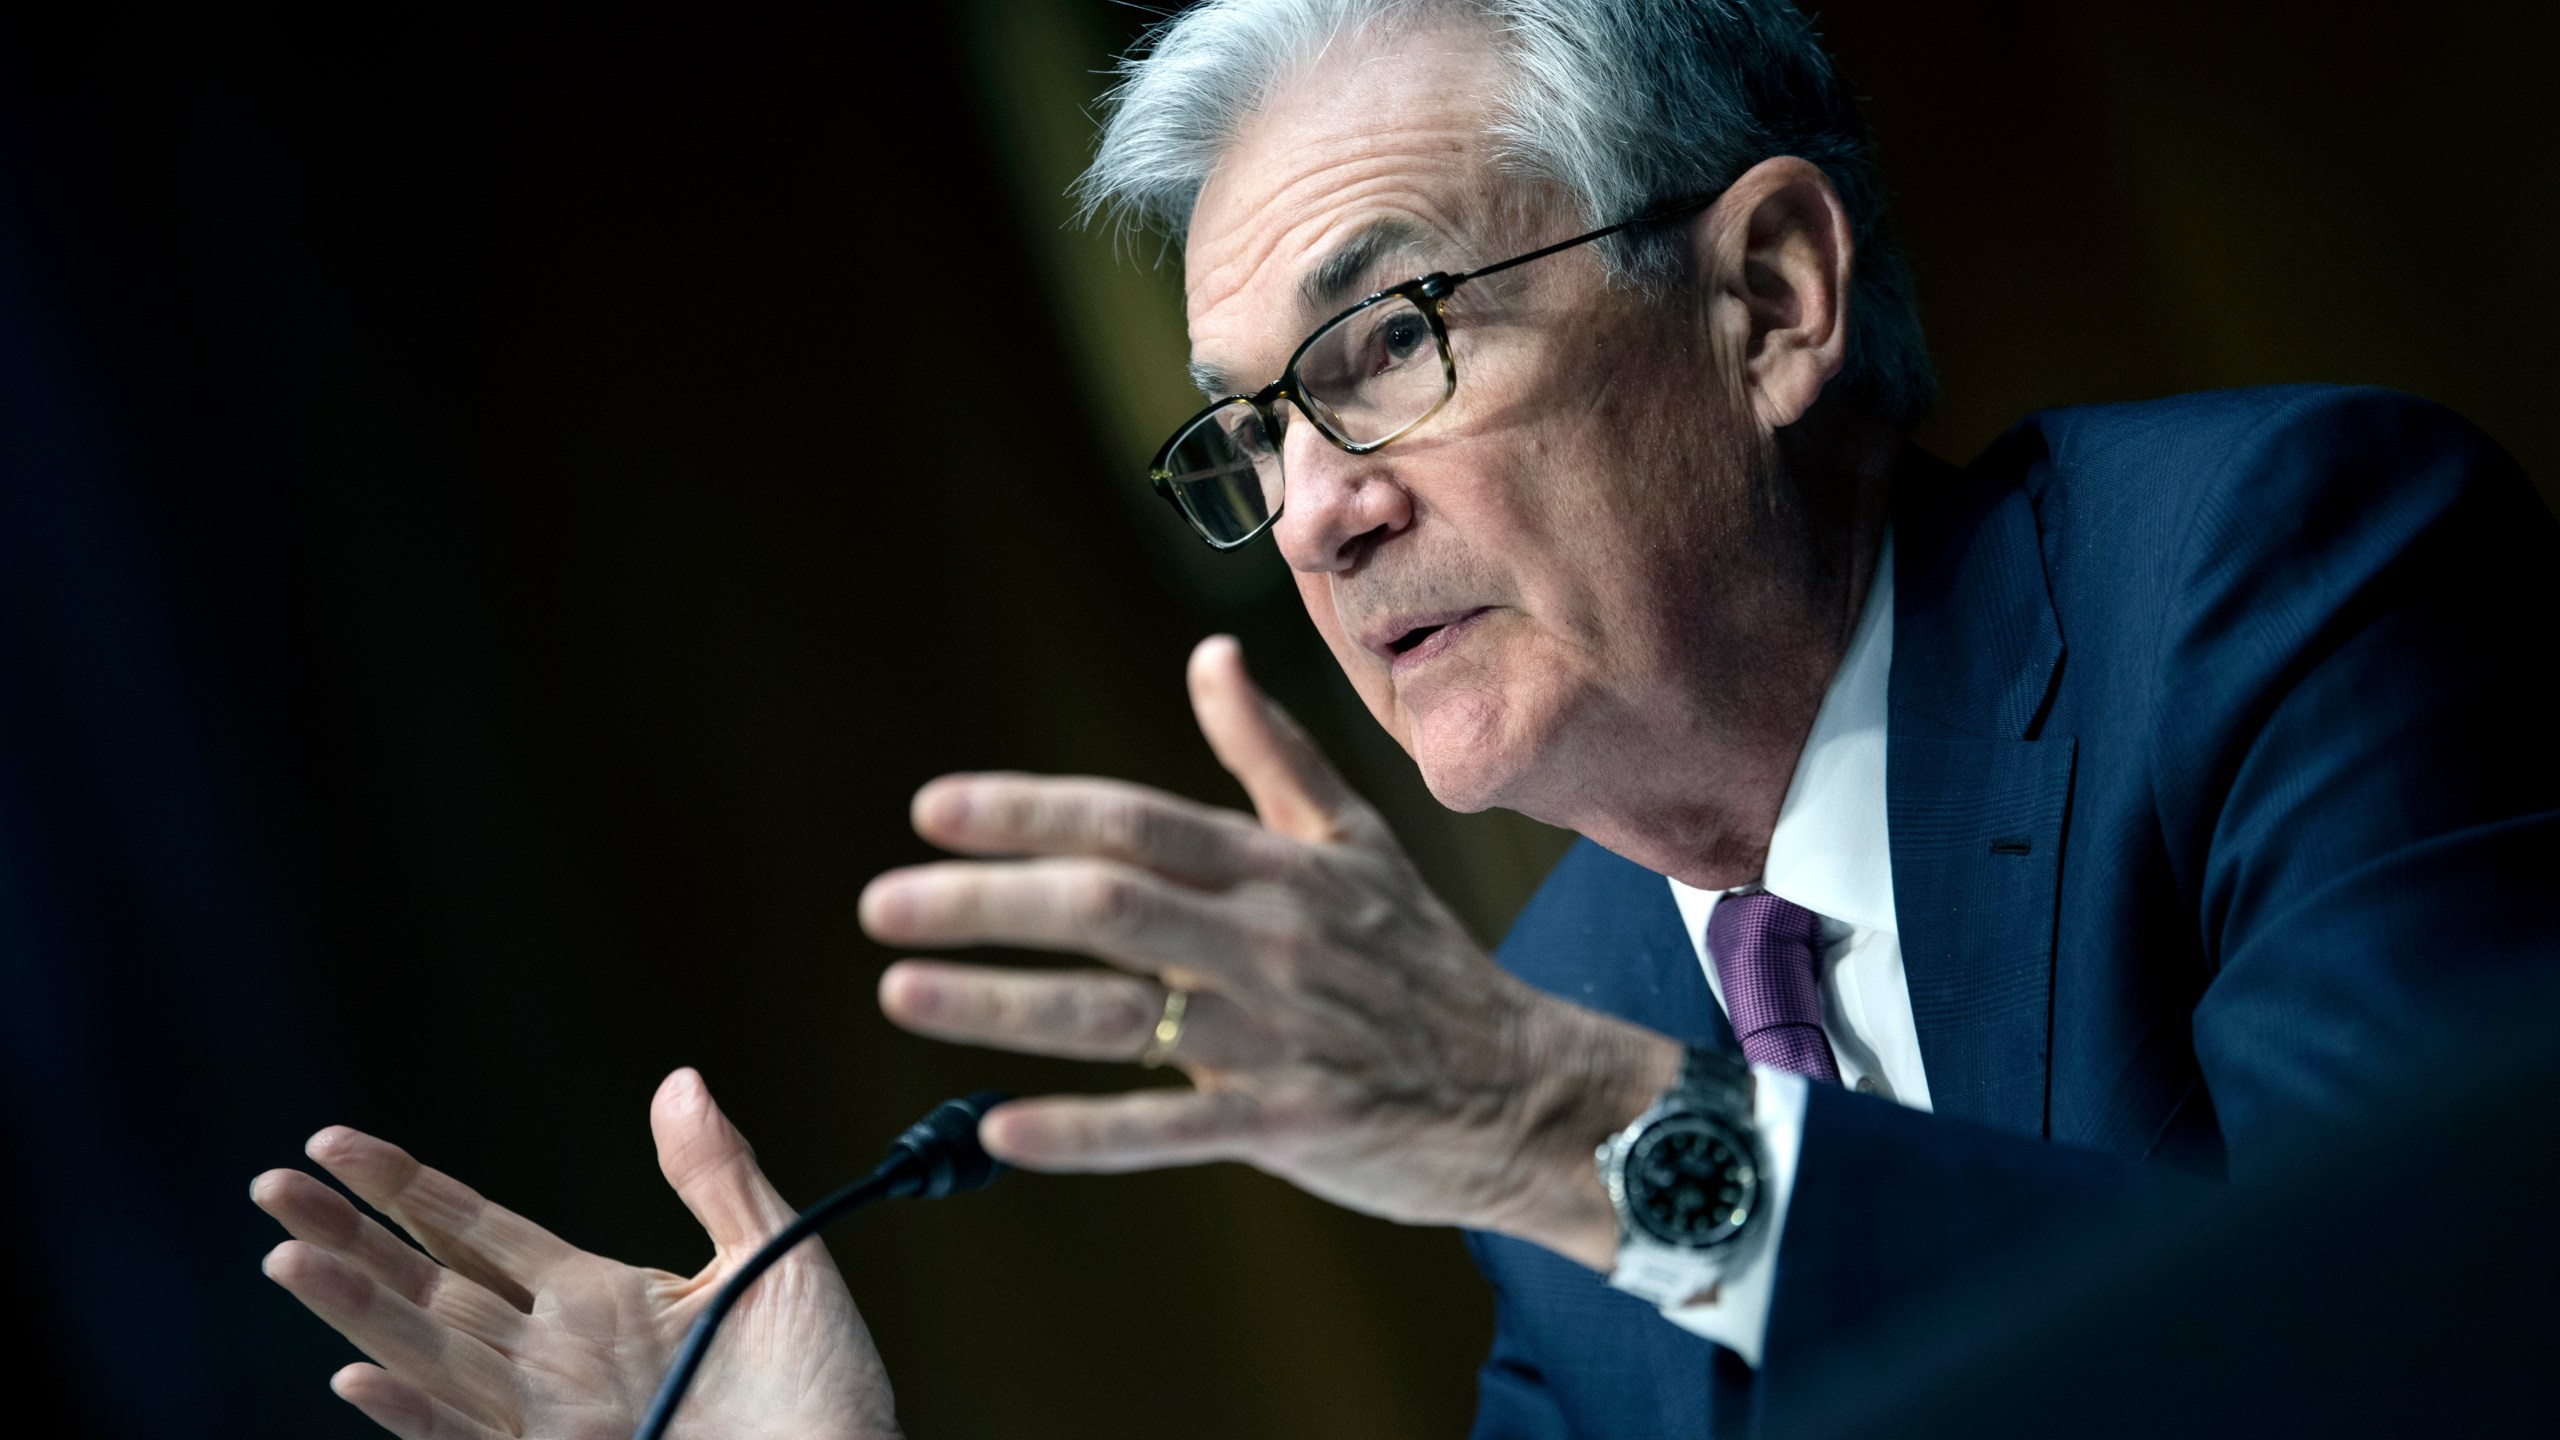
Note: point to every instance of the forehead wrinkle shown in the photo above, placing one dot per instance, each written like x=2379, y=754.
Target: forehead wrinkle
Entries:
x=1386, y=119
x=1387, y=171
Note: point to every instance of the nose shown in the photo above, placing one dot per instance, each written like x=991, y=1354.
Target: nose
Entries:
x=1339, y=506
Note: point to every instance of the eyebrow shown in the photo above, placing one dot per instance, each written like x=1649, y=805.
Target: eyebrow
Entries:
x=1330, y=285
x=1213, y=381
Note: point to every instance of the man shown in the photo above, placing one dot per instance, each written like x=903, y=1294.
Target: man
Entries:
x=2143, y=797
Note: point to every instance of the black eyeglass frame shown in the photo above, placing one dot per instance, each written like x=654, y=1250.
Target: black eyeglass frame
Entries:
x=1427, y=294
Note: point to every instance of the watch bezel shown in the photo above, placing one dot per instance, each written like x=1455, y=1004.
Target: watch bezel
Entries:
x=1751, y=1182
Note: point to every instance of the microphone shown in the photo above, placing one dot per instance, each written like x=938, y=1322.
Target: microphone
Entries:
x=938, y=1155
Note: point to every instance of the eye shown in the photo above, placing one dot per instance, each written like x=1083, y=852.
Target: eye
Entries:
x=1245, y=430
x=1402, y=336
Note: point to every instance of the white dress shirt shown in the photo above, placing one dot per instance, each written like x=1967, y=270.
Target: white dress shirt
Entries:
x=1829, y=854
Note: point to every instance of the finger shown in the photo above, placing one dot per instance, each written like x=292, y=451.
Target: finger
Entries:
x=403, y=1408
x=1090, y=907
x=315, y=1214
x=1146, y=1130
x=1080, y=1014
x=1083, y=1015
x=1108, y=819
x=712, y=1167
x=1295, y=790
x=493, y=1245
x=450, y=1365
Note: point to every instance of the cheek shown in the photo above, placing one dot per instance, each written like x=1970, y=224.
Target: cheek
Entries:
x=1363, y=669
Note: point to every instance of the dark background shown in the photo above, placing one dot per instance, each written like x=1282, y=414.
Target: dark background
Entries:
x=499, y=508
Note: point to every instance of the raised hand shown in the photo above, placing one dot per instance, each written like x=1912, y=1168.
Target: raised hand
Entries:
x=508, y=1330
x=1341, y=1028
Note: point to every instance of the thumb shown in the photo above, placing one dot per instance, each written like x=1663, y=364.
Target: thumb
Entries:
x=1295, y=790
x=713, y=1170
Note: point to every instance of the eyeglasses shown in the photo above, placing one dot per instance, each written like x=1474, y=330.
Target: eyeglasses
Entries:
x=1365, y=377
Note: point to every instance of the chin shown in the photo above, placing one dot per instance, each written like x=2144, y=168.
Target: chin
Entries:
x=1471, y=753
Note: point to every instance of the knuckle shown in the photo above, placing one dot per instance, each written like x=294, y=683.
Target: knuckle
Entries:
x=429, y=1292
x=1126, y=825
x=1002, y=1008
x=1113, y=1014
x=339, y=1224
x=1012, y=810
x=1290, y=954
x=1284, y=966
x=1102, y=899
x=1054, y=1009
x=1308, y=872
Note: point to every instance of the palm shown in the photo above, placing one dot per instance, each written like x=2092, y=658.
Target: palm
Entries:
x=605, y=1332
x=518, y=1333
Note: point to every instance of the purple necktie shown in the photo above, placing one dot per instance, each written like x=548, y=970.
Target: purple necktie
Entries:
x=1764, y=949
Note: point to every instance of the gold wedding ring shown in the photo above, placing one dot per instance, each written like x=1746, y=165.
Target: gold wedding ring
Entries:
x=1168, y=1029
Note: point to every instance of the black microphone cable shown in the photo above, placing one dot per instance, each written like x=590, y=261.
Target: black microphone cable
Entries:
x=938, y=1155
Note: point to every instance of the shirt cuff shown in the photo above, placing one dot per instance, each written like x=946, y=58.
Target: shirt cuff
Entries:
x=1738, y=1317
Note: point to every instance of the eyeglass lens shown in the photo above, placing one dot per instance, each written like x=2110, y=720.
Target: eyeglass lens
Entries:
x=1365, y=378
x=1224, y=472
x=1373, y=372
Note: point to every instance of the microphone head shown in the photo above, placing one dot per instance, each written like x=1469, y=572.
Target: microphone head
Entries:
x=941, y=1154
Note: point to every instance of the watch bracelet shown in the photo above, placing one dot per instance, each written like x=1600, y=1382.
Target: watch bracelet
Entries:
x=1716, y=1080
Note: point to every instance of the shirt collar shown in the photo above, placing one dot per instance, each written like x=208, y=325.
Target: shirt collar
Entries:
x=1830, y=852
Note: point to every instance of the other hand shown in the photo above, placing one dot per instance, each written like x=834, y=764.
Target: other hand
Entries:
x=508, y=1330
x=1341, y=1028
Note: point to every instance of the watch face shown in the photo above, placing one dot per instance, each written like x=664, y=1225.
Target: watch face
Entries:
x=1690, y=1182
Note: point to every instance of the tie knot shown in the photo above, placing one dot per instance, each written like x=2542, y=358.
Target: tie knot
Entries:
x=1765, y=951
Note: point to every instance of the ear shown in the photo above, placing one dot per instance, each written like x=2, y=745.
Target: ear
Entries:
x=1774, y=256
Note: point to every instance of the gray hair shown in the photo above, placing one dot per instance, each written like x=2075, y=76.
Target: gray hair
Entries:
x=1623, y=104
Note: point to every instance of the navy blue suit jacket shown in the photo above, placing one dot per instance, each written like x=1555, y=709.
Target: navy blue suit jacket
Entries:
x=2221, y=796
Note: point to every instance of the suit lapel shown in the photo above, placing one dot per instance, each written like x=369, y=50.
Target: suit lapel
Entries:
x=1975, y=799
x=1672, y=994
x=1604, y=932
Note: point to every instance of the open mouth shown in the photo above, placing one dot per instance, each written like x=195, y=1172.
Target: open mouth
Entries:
x=1413, y=637
x=1417, y=645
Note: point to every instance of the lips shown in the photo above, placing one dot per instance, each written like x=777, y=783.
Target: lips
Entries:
x=1414, y=637
x=1407, y=641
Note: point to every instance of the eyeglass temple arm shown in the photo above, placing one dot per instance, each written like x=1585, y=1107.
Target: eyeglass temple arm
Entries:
x=1659, y=212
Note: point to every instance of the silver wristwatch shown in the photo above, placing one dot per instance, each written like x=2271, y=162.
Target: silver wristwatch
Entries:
x=1687, y=1181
